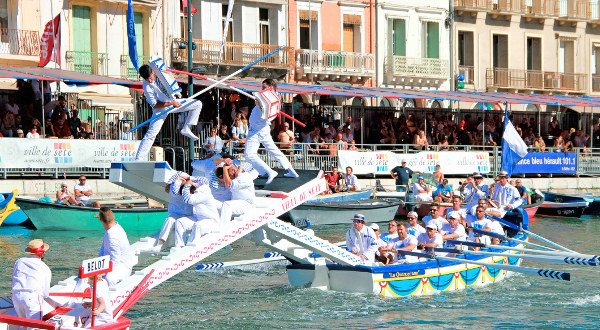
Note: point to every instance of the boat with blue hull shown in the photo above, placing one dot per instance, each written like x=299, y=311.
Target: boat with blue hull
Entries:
x=10, y=213
x=414, y=279
x=563, y=205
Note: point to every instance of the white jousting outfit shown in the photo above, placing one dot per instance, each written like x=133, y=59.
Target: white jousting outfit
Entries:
x=242, y=196
x=177, y=207
x=364, y=241
x=116, y=245
x=205, y=214
x=154, y=95
x=30, y=286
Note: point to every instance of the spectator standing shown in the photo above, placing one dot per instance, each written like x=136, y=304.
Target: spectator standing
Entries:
x=285, y=137
x=75, y=123
x=61, y=129
x=11, y=106
x=402, y=175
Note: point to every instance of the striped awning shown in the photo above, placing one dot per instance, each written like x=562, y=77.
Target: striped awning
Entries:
x=352, y=19
x=306, y=15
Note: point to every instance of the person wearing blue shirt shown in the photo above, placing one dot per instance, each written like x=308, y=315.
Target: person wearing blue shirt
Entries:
x=443, y=192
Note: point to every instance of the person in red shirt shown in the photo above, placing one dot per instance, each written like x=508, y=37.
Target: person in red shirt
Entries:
x=61, y=129
x=333, y=180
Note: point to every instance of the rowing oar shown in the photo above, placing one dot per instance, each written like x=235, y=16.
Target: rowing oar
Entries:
x=534, y=235
x=546, y=273
x=574, y=256
x=506, y=238
x=220, y=265
x=554, y=259
x=171, y=108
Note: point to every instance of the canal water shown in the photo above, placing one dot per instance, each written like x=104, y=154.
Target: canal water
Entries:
x=260, y=297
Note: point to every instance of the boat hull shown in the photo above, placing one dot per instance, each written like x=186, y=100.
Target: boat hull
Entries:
x=10, y=213
x=377, y=210
x=50, y=216
x=567, y=209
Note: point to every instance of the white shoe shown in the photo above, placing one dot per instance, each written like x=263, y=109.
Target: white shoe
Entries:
x=187, y=132
x=291, y=173
x=272, y=176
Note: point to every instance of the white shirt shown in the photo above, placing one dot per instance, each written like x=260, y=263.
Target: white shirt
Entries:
x=389, y=238
x=12, y=108
x=116, y=245
x=102, y=291
x=256, y=122
x=351, y=181
x=31, y=274
x=364, y=241
x=415, y=188
x=473, y=193
x=82, y=188
x=460, y=230
x=416, y=230
x=461, y=211
x=216, y=144
x=507, y=195
x=437, y=239
x=439, y=221
x=177, y=206
x=153, y=93
x=205, y=206
x=32, y=136
x=407, y=241
x=242, y=187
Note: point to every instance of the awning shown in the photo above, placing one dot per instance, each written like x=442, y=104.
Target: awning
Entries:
x=68, y=77
x=306, y=15
x=352, y=19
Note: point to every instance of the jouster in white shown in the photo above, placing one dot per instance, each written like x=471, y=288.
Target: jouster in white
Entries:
x=361, y=239
x=260, y=133
x=241, y=185
x=116, y=245
x=177, y=206
x=31, y=282
x=205, y=212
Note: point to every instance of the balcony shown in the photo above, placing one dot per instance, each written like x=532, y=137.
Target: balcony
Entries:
x=468, y=72
x=571, y=11
x=533, y=80
x=127, y=69
x=87, y=62
x=504, y=9
x=19, y=42
x=334, y=65
x=235, y=55
x=471, y=7
x=595, y=83
x=415, y=71
x=538, y=10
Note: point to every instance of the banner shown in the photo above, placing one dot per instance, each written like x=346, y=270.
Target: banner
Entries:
x=131, y=42
x=50, y=153
x=547, y=162
x=382, y=162
x=49, y=41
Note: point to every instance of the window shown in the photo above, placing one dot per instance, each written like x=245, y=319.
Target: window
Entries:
x=465, y=48
x=431, y=39
x=4, y=14
x=308, y=29
x=263, y=16
x=534, y=53
x=398, y=27
x=500, y=51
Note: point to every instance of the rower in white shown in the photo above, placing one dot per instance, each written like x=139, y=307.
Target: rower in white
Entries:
x=413, y=227
x=431, y=239
x=241, y=184
x=483, y=223
x=103, y=312
x=454, y=230
x=116, y=245
x=361, y=240
x=434, y=217
x=31, y=282
x=260, y=133
x=406, y=242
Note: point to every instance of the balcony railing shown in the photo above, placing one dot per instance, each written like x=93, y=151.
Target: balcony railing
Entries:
x=398, y=66
x=87, y=62
x=471, y=5
x=19, y=42
x=335, y=63
x=539, y=8
x=536, y=80
x=572, y=9
x=562, y=9
x=506, y=6
x=234, y=53
x=468, y=72
x=127, y=69
x=596, y=83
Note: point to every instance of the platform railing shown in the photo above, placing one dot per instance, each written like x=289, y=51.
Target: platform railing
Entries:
x=19, y=42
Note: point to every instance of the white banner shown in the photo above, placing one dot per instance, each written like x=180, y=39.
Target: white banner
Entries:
x=382, y=162
x=41, y=153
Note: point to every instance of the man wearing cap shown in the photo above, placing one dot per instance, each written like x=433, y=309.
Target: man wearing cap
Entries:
x=402, y=175
x=381, y=255
x=506, y=196
x=116, y=245
x=361, y=239
x=454, y=230
x=434, y=217
x=431, y=239
x=421, y=190
x=31, y=282
x=443, y=192
x=413, y=227
x=473, y=189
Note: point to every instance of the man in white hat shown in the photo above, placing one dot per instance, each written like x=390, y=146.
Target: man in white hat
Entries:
x=413, y=227
x=421, y=190
x=116, y=245
x=454, y=230
x=475, y=190
x=31, y=282
x=507, y=197
x=361, y=240
x=431, y=239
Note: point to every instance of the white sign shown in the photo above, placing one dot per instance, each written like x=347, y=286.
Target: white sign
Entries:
x=49, y=153
x=94, y=266
x=382, y=162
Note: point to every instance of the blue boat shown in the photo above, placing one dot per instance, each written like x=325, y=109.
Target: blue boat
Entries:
x=10, y=213
x=563, y=205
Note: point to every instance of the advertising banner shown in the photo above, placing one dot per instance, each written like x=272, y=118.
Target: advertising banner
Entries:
x=41, y=153
x=382, y=162
x=547, y=162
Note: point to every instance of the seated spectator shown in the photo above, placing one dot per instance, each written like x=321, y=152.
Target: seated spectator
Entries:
x=213, y=143
x=420, y=141
x=64, y=197
x=11, y=106
x=33, y=133
x=443, y=144
x=352, y=145
x=347, y=134
x=580, y=139
x=333, y=180
x=421, y=190
x=539, y=144
x=314, y=139
x=75, y=124
x=125, y=134
x=559, y=144
x=7, y=126
x=443, y=192
x=20, y=133
x=60, y=110
x=83, y=192
x=523, y=191
x=61, y=129
x=49, y=133
x=350, y=180
x=285, y=137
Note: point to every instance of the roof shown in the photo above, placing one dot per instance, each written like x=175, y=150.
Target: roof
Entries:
x=68, y=77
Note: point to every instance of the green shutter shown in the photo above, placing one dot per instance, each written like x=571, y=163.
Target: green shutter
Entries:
x=139, y=33
x=399, y=37
x=433, y=40
x=82, y=29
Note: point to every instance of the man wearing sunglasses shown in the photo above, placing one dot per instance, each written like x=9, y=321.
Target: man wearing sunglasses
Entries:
x=434, y=217
x=413, y=227
x=361, y=240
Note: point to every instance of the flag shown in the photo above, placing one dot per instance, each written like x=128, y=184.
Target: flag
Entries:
x=131, y=36
x=513, y=147
x=226, y=28
x=184, y=8
x=50, y=42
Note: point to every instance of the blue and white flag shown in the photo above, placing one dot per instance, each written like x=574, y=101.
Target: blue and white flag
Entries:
x=513, y=147
x=131, y=35
x=226, y=28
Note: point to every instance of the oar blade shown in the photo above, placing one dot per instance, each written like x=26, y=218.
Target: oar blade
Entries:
x=554, y=274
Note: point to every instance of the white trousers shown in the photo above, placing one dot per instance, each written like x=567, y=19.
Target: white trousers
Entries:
x=155, y=126
x=234, y=208
x=28, y=304
x=182, y=226
x=167, y=228
x=118, y=273
x=203, y=227
x=251, y=151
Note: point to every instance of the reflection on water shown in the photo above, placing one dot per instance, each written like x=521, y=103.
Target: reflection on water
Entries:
x=259, y=296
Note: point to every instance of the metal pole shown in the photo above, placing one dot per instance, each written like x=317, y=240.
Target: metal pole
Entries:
x=43, y=132
x=451, y=39
x=190, y=63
